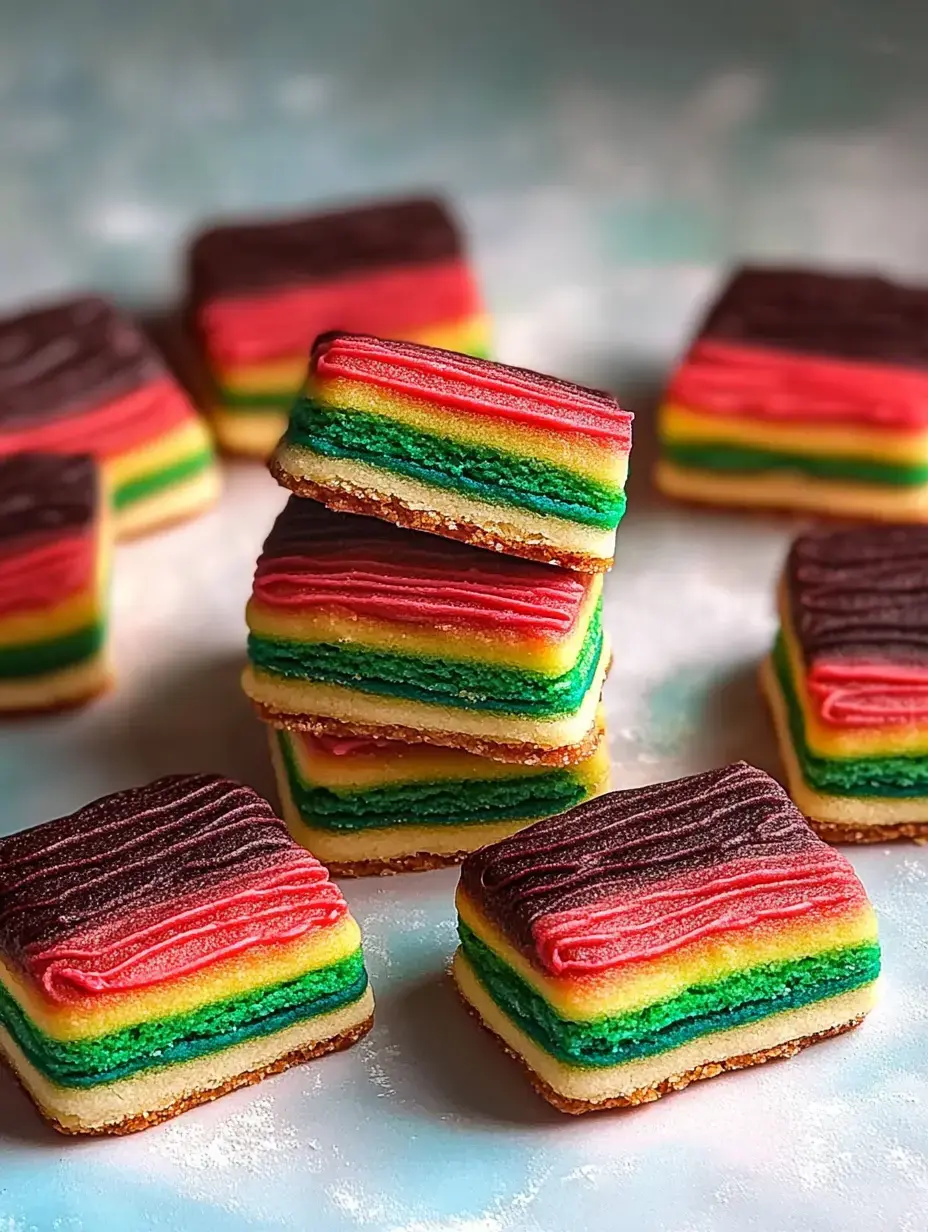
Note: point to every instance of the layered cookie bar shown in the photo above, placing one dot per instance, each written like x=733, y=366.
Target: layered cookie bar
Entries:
x=380, y=806
x=804, y=391
x=54, y=570
x=79, y=377
x=260, y=293
x=163, y=946
x=653, y=937
x=847, y=681
x=496, y=456
x=361, y=628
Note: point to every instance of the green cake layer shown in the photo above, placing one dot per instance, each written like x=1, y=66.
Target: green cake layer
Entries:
x=52, y=655
x=447, y=803
x=738, y=999
x=157, y=481
x=900, y=777
x=472, y=469
x=465, y=685
x=739, y=458
x=171, y=1041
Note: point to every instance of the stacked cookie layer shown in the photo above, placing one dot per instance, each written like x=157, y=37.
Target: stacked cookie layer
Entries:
x=163, y=946
x=261, y=292
x=847, y=681
x=653, y=937
x=804, y=391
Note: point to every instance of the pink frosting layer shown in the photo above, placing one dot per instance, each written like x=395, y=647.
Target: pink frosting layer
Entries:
x=853, y=694
x=46, y=573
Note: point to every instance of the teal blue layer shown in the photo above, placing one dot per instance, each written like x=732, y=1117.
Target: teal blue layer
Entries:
x=53, y=655
x=183, y=1037
x=706, y=456
x=455, y=802
x=471, y=469
x=902, y=777
x=441, y=682
x=745, y=997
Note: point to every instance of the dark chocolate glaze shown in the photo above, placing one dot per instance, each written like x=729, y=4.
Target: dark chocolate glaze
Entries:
x=845, y=316
x=45, y=494
x=861, y=593
x=240, y=258
x=70, y=357
x=130, y=851
x=630, y=838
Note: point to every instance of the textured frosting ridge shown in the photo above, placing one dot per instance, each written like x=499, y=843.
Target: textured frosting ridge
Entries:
x=154, y=883
x=636, y=874
x=317, y=559
x=43, y=495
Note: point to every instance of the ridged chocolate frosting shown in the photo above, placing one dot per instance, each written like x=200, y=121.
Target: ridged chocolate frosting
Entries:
x=46, y=494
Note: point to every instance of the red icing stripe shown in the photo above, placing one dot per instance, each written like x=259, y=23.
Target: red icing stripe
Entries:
x=280, y=905
x=868, y=694
x=735, y=897
x=457, y=382
x=46, y=574
x=759, y=383
x=143, y=416
x=283, y=323
x=348, y=746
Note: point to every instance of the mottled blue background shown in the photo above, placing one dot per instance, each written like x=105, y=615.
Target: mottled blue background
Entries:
x=607, y=164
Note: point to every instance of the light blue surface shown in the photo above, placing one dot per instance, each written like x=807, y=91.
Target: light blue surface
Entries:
x=606, y=165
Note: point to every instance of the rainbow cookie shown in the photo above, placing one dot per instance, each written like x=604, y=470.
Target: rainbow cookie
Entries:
x=654, y=937
x=847, y=681
x=380, y=806
x=496, y=456
x=163, y=946
x=804, y=391
x=261, y=292
x=361, y=628
x=79, y=377
x=54, y=571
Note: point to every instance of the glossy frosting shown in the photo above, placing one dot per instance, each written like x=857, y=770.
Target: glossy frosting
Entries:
x=315, y=559
x=457, y=382
x=640, y=873
x=44, y=495
x=858, y=605
x=155, y=883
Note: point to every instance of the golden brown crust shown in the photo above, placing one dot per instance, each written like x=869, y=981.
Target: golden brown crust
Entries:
x=523, y=754
x=420, y=862
x=61, y=707
x=675, y=1082
x=144, y=1120
x=398, y=512
x=831, y=833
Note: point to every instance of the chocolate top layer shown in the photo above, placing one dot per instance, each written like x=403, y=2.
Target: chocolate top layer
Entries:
x=44, y=494
x=845, y=316
x=70, y=357
x=631, y=838
x=861, y=593
x=239, y=258
x=130, y=851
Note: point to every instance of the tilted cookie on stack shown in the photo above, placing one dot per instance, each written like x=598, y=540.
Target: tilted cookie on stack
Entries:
x=425, y=696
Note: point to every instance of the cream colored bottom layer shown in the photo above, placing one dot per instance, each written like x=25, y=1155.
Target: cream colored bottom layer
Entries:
x=254, y=433
x=597, y=1085
x=859, y=811
x=503, y=522
x=792, y=490
x=334, y=701
x=57, y=689
x=83, y=1110
x=174, y=504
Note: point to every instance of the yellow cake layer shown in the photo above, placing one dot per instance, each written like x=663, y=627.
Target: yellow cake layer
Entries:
x=504, y=522
x=829, y=741
x=230, y=977
x=421, y=763
x=174, y=504
x=254, y=433
x=85, y=1109
x=63, y=688
x=679, y=424
x=859, y=811
x=589, y=456
x=187, y=439
x=595, y=1085
x=553, y=658
x=640, y=984
x=349, y=706
x=780, y=489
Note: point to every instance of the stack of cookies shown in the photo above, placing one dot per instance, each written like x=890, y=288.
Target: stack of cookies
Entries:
x=426, y=642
